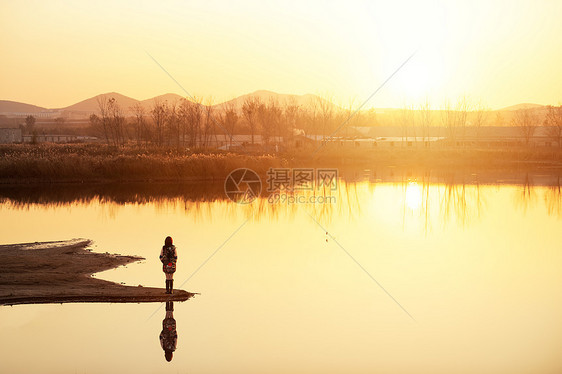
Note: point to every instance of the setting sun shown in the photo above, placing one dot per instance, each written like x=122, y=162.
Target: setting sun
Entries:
x=484, y=49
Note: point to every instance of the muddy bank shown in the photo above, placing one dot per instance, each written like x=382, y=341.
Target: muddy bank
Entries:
x=61, y=272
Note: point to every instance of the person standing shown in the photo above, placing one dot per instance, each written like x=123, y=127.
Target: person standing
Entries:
x=169, y=257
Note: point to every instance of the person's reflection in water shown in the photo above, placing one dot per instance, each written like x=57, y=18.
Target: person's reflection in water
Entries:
x=169, y=335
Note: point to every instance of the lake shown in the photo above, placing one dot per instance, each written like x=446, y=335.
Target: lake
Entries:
x=411, y=275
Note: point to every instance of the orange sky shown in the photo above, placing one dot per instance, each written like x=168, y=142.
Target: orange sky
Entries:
x=55, y=53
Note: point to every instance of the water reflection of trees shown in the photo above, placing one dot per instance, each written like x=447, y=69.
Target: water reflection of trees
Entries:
x=201, y=200
x=553, y=199
x=461, y=201
x=526, y=195
x=119, y=193
x=442, y=198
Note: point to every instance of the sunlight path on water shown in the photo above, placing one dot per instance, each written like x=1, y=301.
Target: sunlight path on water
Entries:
x=478, y=267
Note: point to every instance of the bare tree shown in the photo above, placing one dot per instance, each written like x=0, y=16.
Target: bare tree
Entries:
x=250, y=109
x=448, y=120
x=326, y=106
x=265, y=122
x=59, y=125
x=184, y=118
x=209, y=121
x=455, y=120
x=140, y=122
x=275, y=118
x=190, y=115
x=96, y=125
x=348, y=113
x=29, y=124
x=291, y=113
x=405, y=118
x=461, y=114
x=104, y=116
x=112, y=120
x=116, y=121
x=525, y=120
x=270, y=120
x=229, y=120
x=312, y=118
x=158, y=114
x=498, y=120
x=480, y=117
x=172, y=124
x=425, y=119
x=553, y=121
x=195, y=119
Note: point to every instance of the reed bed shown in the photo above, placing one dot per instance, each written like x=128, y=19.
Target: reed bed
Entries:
x=101, y=163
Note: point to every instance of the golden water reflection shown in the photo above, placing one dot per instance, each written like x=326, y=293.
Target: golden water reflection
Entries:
x=422, y=199
x=476, y=265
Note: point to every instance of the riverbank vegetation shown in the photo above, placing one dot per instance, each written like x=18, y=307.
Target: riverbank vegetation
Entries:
x=102, y=163
x=92, y=162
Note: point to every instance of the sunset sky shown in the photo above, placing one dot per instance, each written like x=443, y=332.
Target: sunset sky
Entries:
x=55, y=53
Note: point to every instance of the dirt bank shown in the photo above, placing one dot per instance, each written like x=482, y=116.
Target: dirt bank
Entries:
x=61, y=272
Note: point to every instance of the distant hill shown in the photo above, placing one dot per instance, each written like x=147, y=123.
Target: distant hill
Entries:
x=91, y=105
x=126, y=103
x=7, y=106
x=266, y=96
x=84, y=108
x=169, y=97
x=521, y=106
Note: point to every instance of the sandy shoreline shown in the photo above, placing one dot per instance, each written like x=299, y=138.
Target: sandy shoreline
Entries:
x=60, y=272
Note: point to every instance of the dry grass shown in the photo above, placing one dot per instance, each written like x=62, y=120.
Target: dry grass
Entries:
x=94, y=162
x=102, y=163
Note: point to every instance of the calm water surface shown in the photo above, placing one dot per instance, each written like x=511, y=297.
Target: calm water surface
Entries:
x=471, y=273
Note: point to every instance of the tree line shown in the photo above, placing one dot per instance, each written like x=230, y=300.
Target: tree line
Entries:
x=457, y=117
x=197, y=123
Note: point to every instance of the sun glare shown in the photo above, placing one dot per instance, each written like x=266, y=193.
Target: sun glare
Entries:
x=413, y=196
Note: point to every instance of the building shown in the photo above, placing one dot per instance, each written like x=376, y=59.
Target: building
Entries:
x=391, y=141
x=485, y=136
x=225, y=142
x=37, y=115
x=58, y=139
x=10, y=136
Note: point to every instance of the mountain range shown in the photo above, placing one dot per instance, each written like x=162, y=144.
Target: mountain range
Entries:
x=89, y=106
